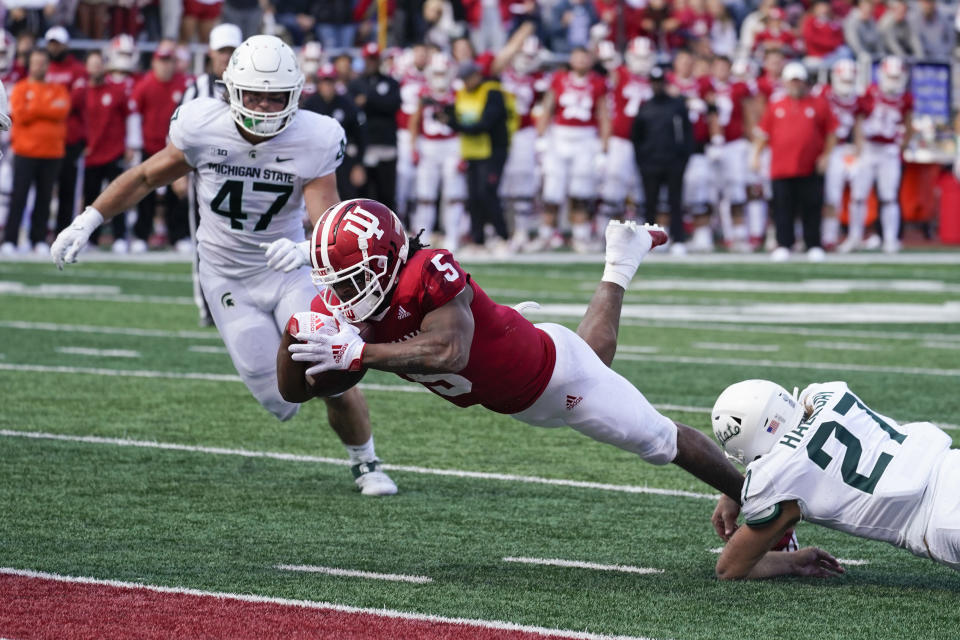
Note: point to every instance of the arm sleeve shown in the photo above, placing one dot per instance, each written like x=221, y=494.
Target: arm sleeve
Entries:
x=442, y=279
x=494, y=113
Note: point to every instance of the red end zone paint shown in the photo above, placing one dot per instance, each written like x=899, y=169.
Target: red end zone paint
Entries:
x=36, y=608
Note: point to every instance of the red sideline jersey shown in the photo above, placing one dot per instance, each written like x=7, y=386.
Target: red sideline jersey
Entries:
x=691, y=88
x=434, y=103
x=577, y=98
x=411, y=83
x=511, y=361
x=844, y=109
x=104, y=109
x=527, y=89
x=728, y=98
x=629, y=92
x=156, y=101
x=884, y=116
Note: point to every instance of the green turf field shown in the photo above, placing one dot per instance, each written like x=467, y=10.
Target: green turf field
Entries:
x=113, y=350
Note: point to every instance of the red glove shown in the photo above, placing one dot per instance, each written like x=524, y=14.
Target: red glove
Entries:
x=462, y=166
x=415, y=157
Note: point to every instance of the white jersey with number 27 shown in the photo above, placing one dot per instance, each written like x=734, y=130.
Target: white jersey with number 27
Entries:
x=251, y=193
x=849, y=469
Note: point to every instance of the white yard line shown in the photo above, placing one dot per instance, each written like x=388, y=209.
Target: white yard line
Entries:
x=853, y=562
x=390, y=388
x=577, y=564
x=86, y=293
x=940, y=345
x=842, y=346
x=196, y=348
x=729, y=346
x=121, y=331
x=790, y=331
x=311, y=604
x=293, y=457
x=787, y=364
x=102, y=353
x=351, y=573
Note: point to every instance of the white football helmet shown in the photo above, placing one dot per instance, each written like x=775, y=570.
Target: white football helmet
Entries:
x=750, y=416
x=263, y=64
x=527, y=59
x=311, y=57
x=439, y=73
x=892, y=75
x=121, y=54
x=608, y=55
x=843, y=78
x=640, y=56
x=8, y=51
x=357, y=249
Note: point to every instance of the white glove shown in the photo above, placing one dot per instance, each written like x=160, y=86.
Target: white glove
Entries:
x=600, y=163
x=309, y=325
x=71, y=240
x=541, y=145
x=286, y=255
x=340, y=351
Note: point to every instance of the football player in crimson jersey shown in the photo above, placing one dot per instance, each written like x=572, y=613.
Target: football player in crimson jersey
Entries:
x=841, y=94
x=434, y=325
x=411, y=74
x=630, y=89
x=576, y=114
x=730, y=119
x=884, y=118
x=261, y=165
x=436, y=156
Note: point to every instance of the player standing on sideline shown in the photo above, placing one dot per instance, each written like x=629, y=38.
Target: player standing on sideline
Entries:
x=729, y=151
x=826, y=457
x=576, y=113
x=630, y=89
x=411, y=74
x=841, y=94
x=521, y=176
x=259, y=163
x=434, y=325
x=884, y=116
x=436, y=157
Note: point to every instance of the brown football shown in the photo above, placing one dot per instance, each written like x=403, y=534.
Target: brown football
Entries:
x=331, y=383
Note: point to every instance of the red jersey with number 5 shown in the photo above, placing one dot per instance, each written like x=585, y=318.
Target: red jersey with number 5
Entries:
x=629, y=92
x=884, y=116
x=511, y=361
x=577, y=98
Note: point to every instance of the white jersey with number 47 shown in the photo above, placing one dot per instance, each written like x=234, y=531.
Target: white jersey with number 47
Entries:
x=251, y=193
x=849, y=469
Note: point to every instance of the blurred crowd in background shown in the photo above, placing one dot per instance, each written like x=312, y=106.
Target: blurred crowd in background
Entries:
x=502, y=126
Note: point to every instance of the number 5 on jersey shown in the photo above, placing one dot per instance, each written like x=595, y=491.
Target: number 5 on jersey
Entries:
x=231, y=195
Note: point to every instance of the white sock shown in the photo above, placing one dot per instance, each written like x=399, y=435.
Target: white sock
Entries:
x=424, y=217
x=361, y=453
x=830, y=231
x=756, y=213
x=890, y=221
x=858, y=217
x=452, y=217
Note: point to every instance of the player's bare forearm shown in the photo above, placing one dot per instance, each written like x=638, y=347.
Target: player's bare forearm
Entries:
x=291, y=375
x=134, y=184
x=698, y=455
x=442, y=346
x=601, y=322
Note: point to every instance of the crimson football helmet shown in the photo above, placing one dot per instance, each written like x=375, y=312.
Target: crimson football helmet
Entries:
x=357, y=249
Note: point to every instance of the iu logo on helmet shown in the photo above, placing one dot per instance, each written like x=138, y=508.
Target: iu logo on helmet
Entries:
x=364, y=224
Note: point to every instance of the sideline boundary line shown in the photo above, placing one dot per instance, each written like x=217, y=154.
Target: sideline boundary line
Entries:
x=312, y=604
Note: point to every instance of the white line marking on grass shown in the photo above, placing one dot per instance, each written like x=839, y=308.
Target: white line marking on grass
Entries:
x=790, y=331
x=105, y=353
x=577, y=564
x=350, y=573
x=717, y=550
x=729, y=346
x=100, y=293
x=196, y=348
x=630, y=348
x=852, y=562
x=785, y=364
x=122, y=331
x=311, y=604
x=100, y=274
x=940, y=345
x=778, y=312
x=294, y=457
x=842, y=346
